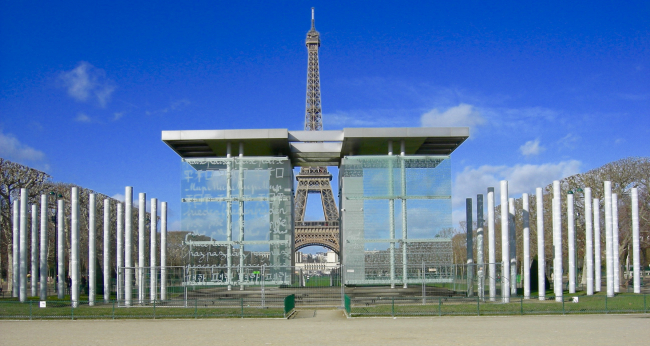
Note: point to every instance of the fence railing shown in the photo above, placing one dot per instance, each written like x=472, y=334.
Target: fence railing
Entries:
x=449, y=306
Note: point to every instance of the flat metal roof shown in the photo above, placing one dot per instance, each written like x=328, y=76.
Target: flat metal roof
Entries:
x=316, y=148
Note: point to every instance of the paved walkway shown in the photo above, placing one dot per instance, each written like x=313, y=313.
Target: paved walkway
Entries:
x=330, y=327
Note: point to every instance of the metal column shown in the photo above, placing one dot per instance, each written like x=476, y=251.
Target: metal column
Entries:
x=15, y=252
x=152, y=250
x=557, y=241
x=470, y=246
x=23, y=244
x=34, y=240
x=60, y=249
x=404, y=215
x=107, y=250
x=92, y=251
x=636, y=264
x=119, y=253
x=163, y=251
x=391, y=220
x=598, y=268
x=513, y=246
x=43, y=248
x=240, y=187
x=142, y=211
x=479, y=246
x=74, y=246
x=505, y=246
x=128, y=247
x=526, y=229
x=491, y=245
x=589, y=242
x=615, y=254
x=609, y=252
x=541, y=249
x=571, y=243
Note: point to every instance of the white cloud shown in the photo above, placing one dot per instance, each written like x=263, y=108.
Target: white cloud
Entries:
x=531, y=148
x=461, y=115
x=569, y=141
x=86, y=82
x=12, y=149
x=118, y=196
x=82, y=118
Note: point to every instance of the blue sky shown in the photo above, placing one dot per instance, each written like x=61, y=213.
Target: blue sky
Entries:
x=548, y=90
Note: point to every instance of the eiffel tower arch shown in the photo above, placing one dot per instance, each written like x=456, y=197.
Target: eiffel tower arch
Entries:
x=315, y=179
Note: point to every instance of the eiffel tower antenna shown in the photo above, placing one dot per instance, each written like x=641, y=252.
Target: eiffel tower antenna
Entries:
x=315, y=179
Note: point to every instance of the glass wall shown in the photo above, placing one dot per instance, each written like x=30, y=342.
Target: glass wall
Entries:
x=238, y=213
x=392, y=209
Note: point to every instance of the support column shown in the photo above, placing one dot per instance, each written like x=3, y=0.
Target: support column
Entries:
x=60, y=249
x=34, y=240
x=391, y=220
x=571, y=240
x=152, y=248
x=589, y=242
x=505, y=245
x=598, y=268
x=470, y=246
x=557, y=242
x=229, y=219
x=15, y=252
x=615, y=254
x=513, y=246
x=541, y=249
x=107, y=250
x=526, y=229
x=404, y=217
x=74, y=246
x=119, y=253
x=240, y=187
x=128, y=247
x=491, y=245
x=23, y=245
x=43, y=249
x=479, y=245
x=609, y=252
x=163, y=251
x=92, y=250
x=636, y=261
x=142, y=211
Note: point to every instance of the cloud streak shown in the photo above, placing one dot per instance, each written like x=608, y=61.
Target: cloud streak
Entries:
x=12, y=149
x=461, y=115
x=86, y=82
x=531, y=148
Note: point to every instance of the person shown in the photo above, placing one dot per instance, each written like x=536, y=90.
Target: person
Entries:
x=69, y=284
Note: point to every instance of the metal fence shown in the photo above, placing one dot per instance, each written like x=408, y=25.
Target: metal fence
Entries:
x=452, y=306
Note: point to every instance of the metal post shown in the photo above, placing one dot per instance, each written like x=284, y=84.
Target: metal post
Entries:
x=240, y=187
x=15, y=259
x=142, y=210
x=404, y=216
x=636, y=261
x=541, y=249
x=513, y=246
x=163, y=251
x=43, y=249
x=23, y=244
x=526, y=229
x=557, y=241
x=597, y=253
x=391, y=221
x=615, y=244
x=609, y=258
x=152, y=250
x=589, y=242
x=128, y=247
x=491, y=245
x=119, y=256
x=571, y=243
x=34, y=240
x=107, y=250
x=470, y=246
x=74, y=246
x=505, y=246
x=92, y=252
x=60, y=249
x=229, y=165
x=479, y=246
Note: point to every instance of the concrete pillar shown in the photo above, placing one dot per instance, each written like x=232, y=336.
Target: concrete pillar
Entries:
x=513, y=246
x=541, y=250
x=15, y=252
x=491, y=245
x=107, y=250
x=597, y=252
x=34, y=240
x=505, y=243
x=119, y=253
x=470, y=246
x=163, y=251
x=142, y=211
x=92, y=249
x=479, y=245
x=526, y=228
x=23, y=244
x=153, y=252
x=557, y=241
x=60, y=249
x=636, y=261
x=589, y=242
x=128, y=246
x=615, y=245
x=571, y=242
x=609, y=249
x=43, y=249
x=74, y=247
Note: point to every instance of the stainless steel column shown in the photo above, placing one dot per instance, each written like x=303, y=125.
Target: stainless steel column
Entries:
x=557, y=241
x=526, y=229
x=469, y=241
x=152, y=250
x=43, y=248
x=34, y=240
x=128, y=247
x=142, y=211
x=23, y=244
x=479, y=246
x=615, y=244
x=15, y=252
x=60, y=249
x=513, y=246
x=541, y=249
x=609, y=258
x=92, y=250
x=598, y=268
x=74, y=247
x=589, y=242
x=107, y=250
x=636, y=261
x=505, y=243
x=571, y=243
x=119, y=253
x=404, y=216
x=491, y=245
x=163, y=251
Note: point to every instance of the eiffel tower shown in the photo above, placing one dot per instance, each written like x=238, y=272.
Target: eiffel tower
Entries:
x=315, y=179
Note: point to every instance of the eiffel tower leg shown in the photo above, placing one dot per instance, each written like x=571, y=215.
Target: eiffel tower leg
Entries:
x=300, y=203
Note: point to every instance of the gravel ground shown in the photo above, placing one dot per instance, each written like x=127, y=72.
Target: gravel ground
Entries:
x=330, y=327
